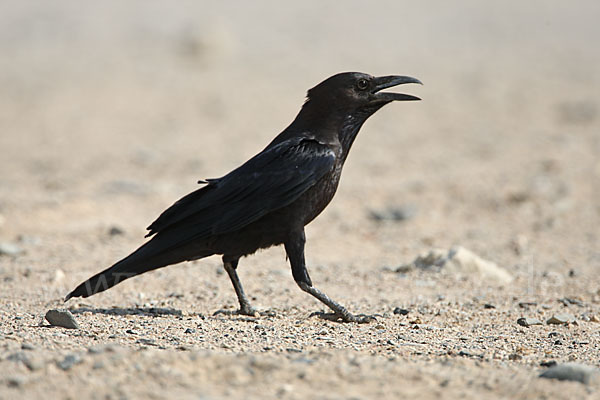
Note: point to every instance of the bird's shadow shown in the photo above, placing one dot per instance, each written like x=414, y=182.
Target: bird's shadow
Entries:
x=145, y=311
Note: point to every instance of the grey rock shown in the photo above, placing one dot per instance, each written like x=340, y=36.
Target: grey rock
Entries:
x=404, y=269
x=102, y=348
x=29, y=240
x=68, y=362
x=394, y=213
x=98, y=365
x=526, y=304
x=561, y=319
x=62, y=318
x=147, y=342
x=16, y=381
x=567, y=301
x=466, y=353
x=548, y=364
x=529, y=321
x=33, y=363
x=18, y=356
x=401, y=311
x=115, y=231
x=9, y=249
x=589, y=317
x=580, y=112
x=571, y=372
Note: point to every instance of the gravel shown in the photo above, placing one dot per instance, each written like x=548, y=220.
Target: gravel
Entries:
x=193, y=88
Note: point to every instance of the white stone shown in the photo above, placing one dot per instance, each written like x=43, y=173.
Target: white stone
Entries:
x=462, y=261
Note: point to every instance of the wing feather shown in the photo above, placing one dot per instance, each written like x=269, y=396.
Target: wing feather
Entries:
x=273, y=179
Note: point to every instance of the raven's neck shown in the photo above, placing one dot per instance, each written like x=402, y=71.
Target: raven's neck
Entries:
x=328, y=124
x=322, y=121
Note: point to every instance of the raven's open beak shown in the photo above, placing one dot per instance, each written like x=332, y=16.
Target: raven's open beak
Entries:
x=384, y=82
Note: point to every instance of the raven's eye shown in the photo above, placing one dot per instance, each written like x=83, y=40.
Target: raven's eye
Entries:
x=362, y=84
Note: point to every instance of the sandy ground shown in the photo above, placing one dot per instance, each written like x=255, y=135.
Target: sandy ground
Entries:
x=111, y=111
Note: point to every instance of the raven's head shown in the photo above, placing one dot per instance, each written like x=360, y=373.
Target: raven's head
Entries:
x=342, y=103
x=354, y=91
x=336, y=108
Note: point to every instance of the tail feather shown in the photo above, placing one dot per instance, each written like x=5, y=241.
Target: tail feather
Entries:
x=147, y=258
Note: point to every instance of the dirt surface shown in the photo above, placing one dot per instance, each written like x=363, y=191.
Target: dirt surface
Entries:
x=111, y=111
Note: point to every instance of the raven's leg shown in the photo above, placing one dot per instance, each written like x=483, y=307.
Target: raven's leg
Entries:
x=294, y=247
x=230, y=265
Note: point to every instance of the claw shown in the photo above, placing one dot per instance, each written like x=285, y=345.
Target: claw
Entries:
x=359, y=319
x=250, y=311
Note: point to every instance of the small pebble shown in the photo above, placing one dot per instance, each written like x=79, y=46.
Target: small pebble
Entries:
x=404, y=269
x=394, y=213
x=68, y=362
x=62, y=318
x=190, y=330
x=401, y=311
x=529, y=322
x=15, y=381
x=102, y=348
x=527, y=304
x=59, y=275
x=98, y=365
x=570, y=372
x=147, y=342
x=115, y=230
x=567, y=301
x=548, y=364
x=464, y=353
x=31, y=361
x=9, y=249
x=561, y=319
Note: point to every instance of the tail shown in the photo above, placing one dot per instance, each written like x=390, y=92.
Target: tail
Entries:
x=152, y=255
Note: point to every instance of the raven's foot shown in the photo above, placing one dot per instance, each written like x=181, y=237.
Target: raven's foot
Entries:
x=340, y=313
x=347, y=317
x=249, y=311
x=360, y=319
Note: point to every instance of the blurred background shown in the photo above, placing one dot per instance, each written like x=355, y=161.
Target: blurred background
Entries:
x=112, y=110
x=109, y=111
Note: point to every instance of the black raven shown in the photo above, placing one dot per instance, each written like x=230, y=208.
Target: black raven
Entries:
x=269, y=199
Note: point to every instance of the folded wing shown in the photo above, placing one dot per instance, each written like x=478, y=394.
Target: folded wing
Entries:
x=271, y=180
